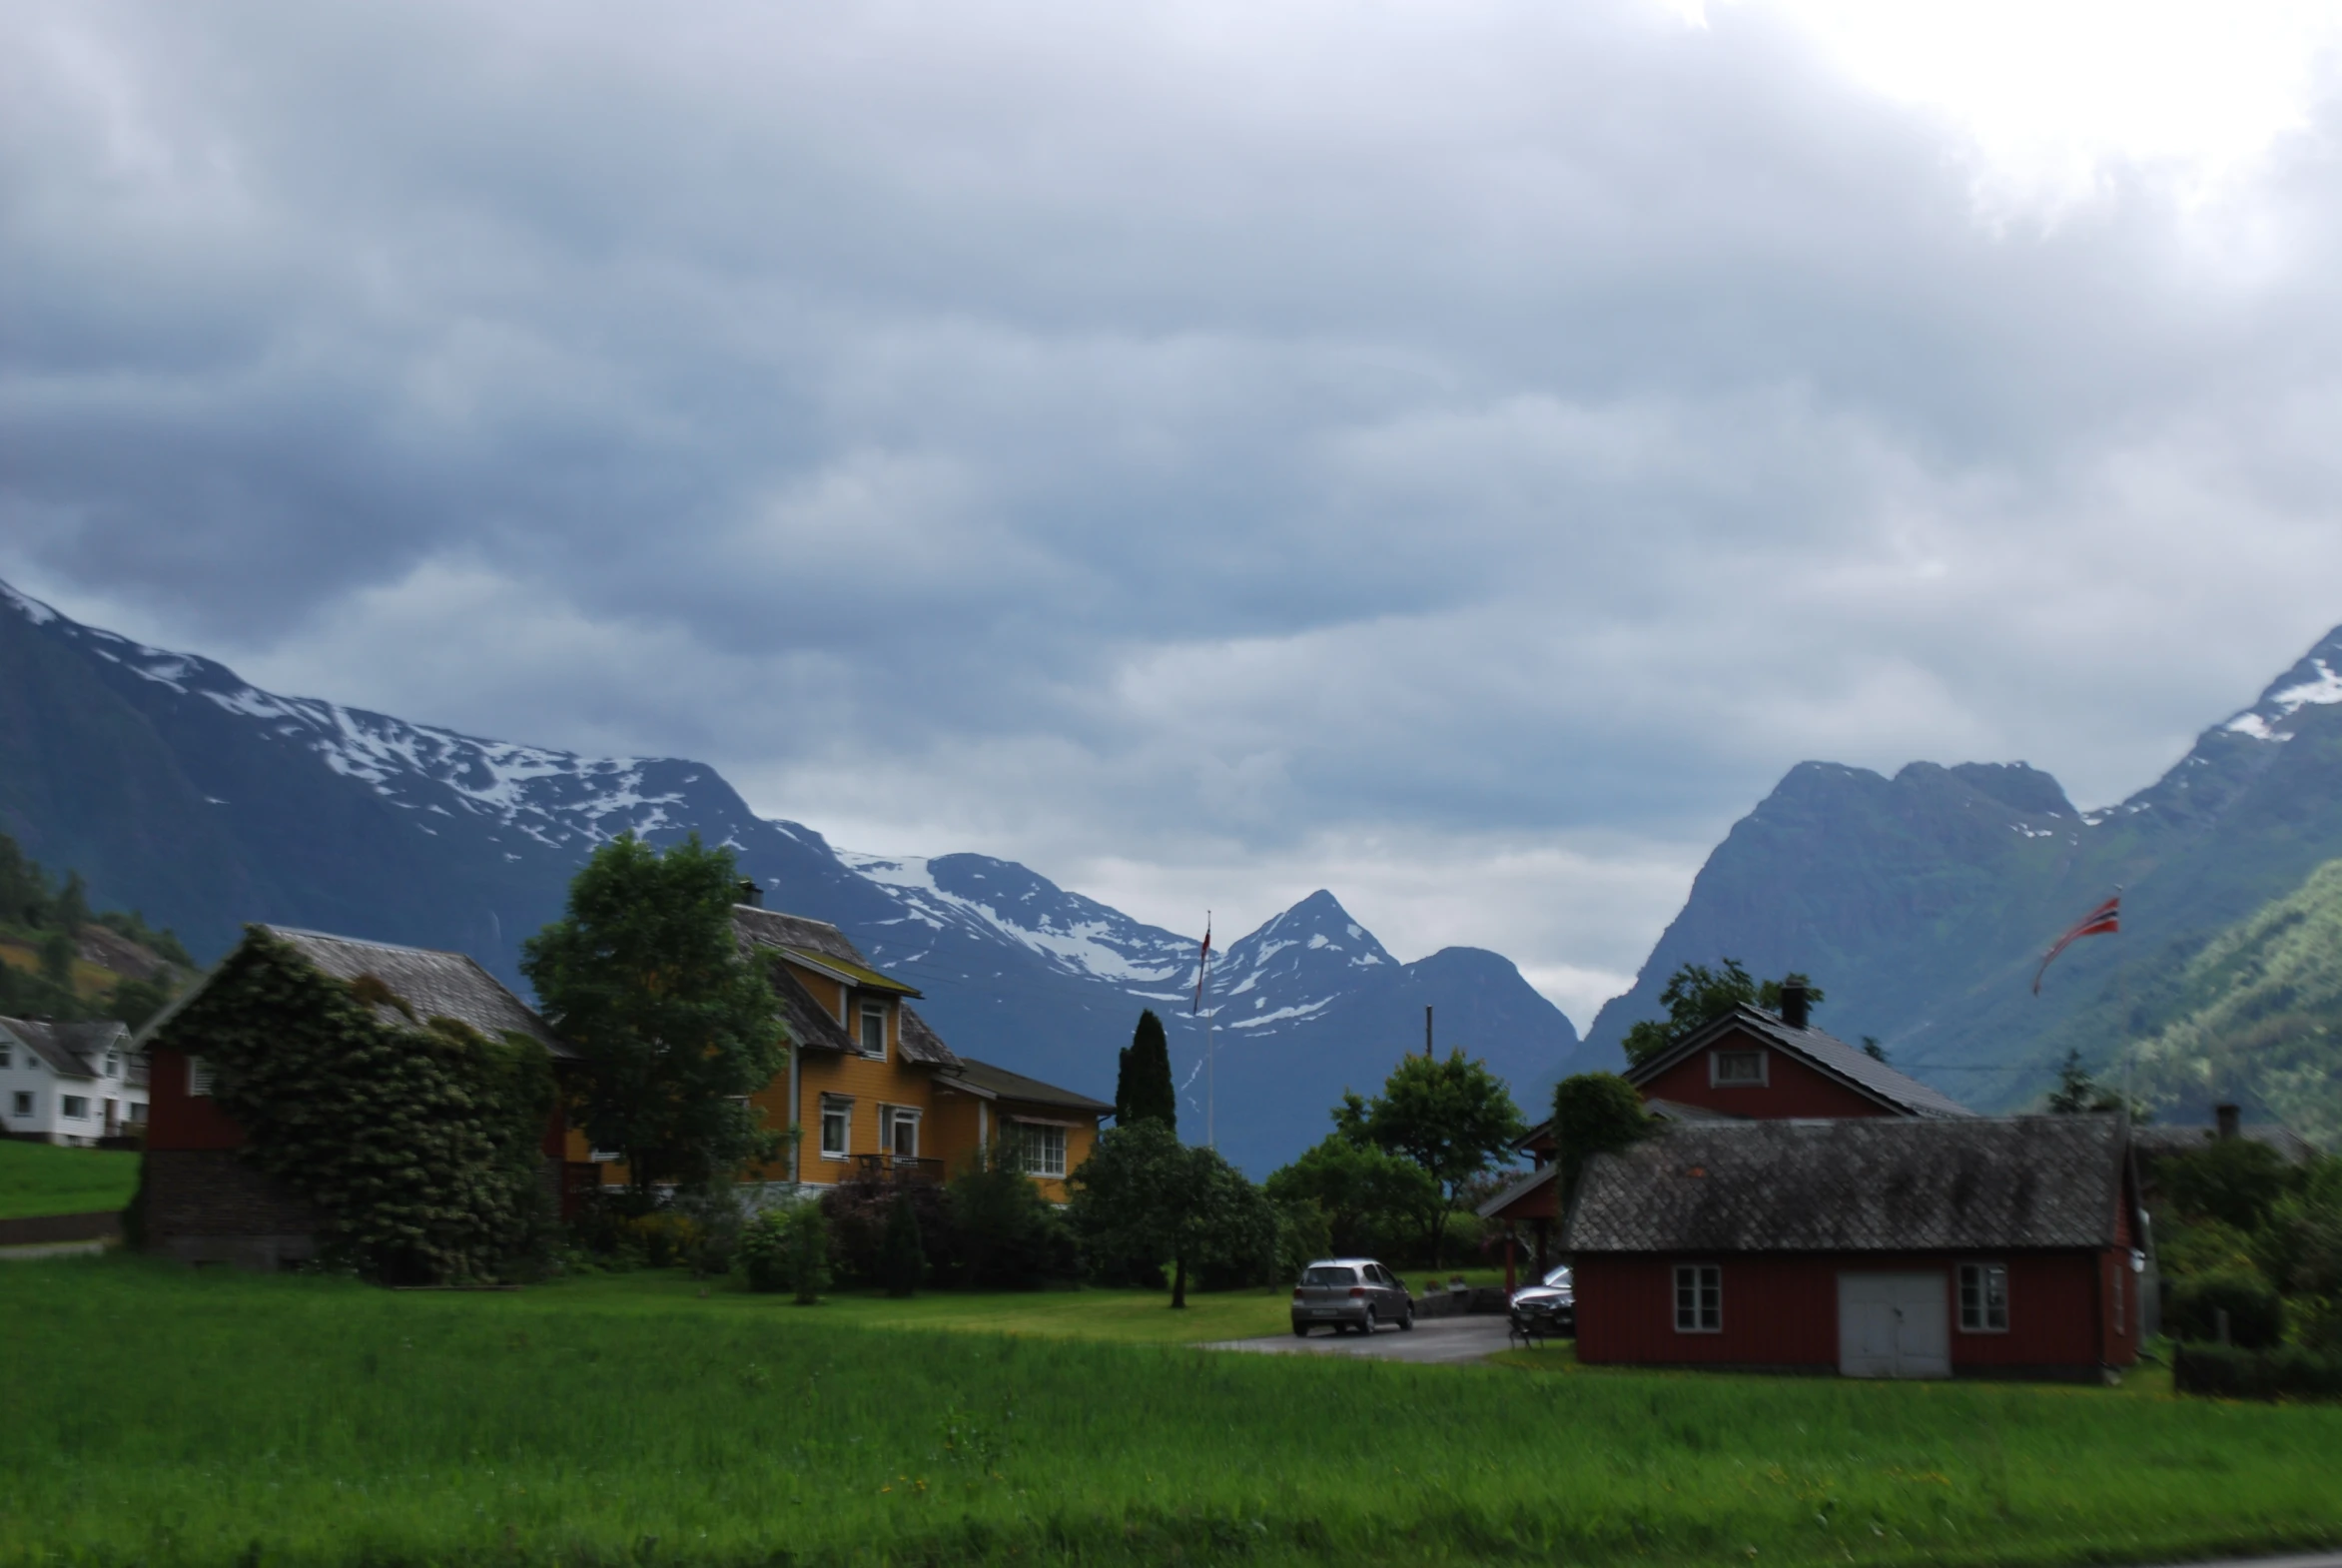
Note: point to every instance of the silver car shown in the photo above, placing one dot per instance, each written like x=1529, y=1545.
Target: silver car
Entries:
x=1555, y=1296
x=1348, y=1293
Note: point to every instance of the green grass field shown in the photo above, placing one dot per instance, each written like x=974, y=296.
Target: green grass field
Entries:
x=160, y=1416
x=43, y=1179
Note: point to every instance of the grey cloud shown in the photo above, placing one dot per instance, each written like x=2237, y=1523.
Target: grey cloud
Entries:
x=1157, y=432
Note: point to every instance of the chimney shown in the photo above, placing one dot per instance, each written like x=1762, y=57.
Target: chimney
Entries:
x=2229, y=1117
x=1794, y=1007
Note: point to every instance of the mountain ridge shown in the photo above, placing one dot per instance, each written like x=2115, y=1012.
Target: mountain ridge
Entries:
x=181, y=789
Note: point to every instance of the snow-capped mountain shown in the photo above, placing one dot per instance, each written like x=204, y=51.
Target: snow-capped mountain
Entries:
x=176, y=787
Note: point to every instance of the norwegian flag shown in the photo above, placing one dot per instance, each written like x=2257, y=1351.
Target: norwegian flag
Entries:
x=1203, y=967
x=2106, y=920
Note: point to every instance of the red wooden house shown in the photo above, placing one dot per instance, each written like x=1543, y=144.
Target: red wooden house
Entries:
x=200, y=1201
x=1749, y=1065
x=1884, y=1246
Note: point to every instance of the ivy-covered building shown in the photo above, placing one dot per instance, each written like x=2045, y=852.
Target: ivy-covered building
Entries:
x=394, y=1104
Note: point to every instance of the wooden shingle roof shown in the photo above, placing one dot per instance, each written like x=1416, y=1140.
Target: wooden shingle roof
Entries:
x=1858, y=1184
x=823, y=947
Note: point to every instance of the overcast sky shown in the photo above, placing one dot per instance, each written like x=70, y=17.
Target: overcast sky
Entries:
x=1458, y=452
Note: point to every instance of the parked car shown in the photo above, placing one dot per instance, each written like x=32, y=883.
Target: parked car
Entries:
x=1348, y=1293
x=1554, y=1298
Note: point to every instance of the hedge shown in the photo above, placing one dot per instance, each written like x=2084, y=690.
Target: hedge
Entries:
x=2226, y=1372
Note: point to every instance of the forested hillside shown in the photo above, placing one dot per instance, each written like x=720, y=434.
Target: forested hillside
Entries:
x=59, y=959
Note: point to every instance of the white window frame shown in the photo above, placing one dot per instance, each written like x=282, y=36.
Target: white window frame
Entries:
x=1978, y=1305
x=7, y=1057
x=1041, y=1148
x=842, y=1108
x=1763, y=1079
x=1700, y=1287
x=891, y=1119
x=24, y=1104
x=66, y=1110
x=198, y=1079
x=864, y=1016
x=112, y=1064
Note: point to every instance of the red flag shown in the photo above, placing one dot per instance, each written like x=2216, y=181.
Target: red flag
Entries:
x=2103, y=920
x=1203, y=966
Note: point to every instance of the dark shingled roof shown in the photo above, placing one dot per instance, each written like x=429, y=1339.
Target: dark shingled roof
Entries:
x=996, y=1082
x=1517, y=1189
x=1857, y=1183
x=432, y=983
x=1859, y=1070
x=72, y=1050
x=810, y=1025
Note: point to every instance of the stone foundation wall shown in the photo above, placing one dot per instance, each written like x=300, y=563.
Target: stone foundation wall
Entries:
x=206, y=1205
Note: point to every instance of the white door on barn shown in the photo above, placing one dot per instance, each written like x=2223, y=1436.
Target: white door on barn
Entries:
x=1894, y=1326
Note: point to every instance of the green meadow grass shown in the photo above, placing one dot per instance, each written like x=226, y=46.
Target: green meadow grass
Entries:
x=46, y=1179
x=163, y=1417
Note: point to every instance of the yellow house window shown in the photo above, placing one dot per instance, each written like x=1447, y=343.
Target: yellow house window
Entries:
x=837, y=1120
x=874, y=1029
x=1044, y=1149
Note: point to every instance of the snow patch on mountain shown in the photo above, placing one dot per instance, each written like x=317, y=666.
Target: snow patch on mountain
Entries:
x=1072, y=932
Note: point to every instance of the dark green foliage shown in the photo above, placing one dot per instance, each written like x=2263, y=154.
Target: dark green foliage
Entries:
x=2299, y=1245
x=2232, y=1372
x=132, y=926
x=2076, y=1093
x=1455, y=1119
x=1594, y=1114
x=763, y=1257
x=57, y=959
x=1143, y=1194
x=1009, y=1237
x=902, y=1266
x=1372, y=1202
x=136, y=1001
x=2235, y=1181
x=417, y=1141
x=1303, y=1234
x=2256, y=1315
x=1695, y=996
x=72, y=909
x=807, y=1238
x=675, y=1028
x=857, y=1211
x=51, y=919
x=1143, y=1086
x=1872, y=1049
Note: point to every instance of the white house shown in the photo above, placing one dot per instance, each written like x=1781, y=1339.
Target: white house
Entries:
x=69, y=1082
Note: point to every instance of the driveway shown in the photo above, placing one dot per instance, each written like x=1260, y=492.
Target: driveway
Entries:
x=1432, y=1339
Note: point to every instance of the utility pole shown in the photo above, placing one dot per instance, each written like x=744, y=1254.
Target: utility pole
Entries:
x=1426, y=1034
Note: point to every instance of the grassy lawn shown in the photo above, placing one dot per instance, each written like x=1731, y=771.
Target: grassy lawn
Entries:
x=163, y=1416
x=43, y=1179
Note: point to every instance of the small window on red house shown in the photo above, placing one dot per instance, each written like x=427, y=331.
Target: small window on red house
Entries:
x=1983, y=1298
x=1737, y=1068
x=1699, y=1298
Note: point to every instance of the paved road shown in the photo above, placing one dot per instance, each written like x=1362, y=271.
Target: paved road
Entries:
x=1432, y=1339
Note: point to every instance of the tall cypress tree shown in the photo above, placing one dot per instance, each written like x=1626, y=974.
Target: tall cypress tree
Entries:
x=1147, y=1095
x=1123, y=1087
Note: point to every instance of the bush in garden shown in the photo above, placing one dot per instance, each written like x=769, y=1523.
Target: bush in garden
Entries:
x=857, y=1211
x=1010, y=1236
x=763, y=1254
x=902, y=1266
x=2256, y=1315
x=2230, y=1372
x=807, y=1238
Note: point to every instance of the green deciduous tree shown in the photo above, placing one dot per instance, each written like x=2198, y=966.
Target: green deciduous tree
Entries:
x=1010, y=1236
x=1593, y=1114
x=1143, y=1194
x=644, y=976
x=1143, y=1086
x=1453, y=1118
x=1697, y=996
x=1370, y=1198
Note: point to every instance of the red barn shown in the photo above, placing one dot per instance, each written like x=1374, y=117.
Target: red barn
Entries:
x=202, y=1203
x=1875, y=1246
x=1745, y=1066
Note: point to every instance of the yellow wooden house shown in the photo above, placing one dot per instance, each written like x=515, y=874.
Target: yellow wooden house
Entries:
x=876, y=1091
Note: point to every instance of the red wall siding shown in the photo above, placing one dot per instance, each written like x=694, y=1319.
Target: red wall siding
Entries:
x=1791, y=1089
x=1781, y=1311
x=178, y=1119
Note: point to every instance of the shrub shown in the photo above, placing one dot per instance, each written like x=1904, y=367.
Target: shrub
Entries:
x=1303, y=1234
x=666, y=1238
x=2256, y=1315
x=902, y=1266
x=1010, y=1236
x=764, y=1251
x=2232, y=1372
x=808, y=1247
x=858, y=1211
